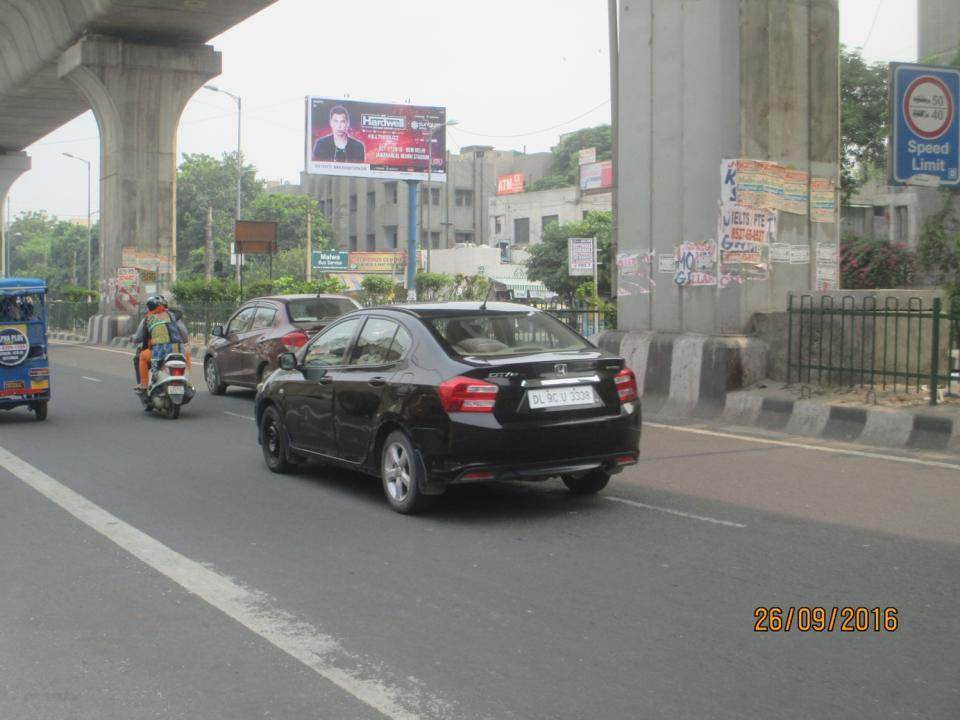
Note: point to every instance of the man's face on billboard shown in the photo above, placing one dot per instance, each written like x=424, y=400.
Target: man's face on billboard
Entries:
x=339, y=124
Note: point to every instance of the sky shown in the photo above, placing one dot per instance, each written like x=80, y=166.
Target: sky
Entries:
x=513, y=73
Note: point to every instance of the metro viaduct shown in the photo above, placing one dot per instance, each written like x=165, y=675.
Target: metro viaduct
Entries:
x=135, y=63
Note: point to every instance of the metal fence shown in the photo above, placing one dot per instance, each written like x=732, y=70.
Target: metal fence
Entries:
x=892, y=345
x=70, y=317
x=586, y=319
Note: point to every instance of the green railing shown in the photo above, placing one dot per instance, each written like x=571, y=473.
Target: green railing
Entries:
x=584, y=318
x=200, y=318
x=907, y=345
x=70, y=317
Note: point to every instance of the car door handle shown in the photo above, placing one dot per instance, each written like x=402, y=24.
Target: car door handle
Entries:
x=325, y=380
x=377, y=381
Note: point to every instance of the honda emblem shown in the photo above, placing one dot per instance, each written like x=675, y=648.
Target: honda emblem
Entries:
x=560, y=369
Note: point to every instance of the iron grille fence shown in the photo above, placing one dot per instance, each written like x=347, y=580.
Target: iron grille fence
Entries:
x=911, y=345
x=70, y=317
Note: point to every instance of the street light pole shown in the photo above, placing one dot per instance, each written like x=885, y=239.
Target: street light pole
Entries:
x=89, y=226
x=236, y=98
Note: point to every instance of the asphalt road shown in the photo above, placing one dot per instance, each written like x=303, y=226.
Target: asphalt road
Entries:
x=155, y=569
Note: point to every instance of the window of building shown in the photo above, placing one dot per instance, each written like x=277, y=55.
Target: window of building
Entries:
x=353, y=202
x=328, y=208
x=464, y=237
x=353, y=243
x=434, y=196
x=371, y=241
x=548, y=220
x=371, y=200
x=879, y=210
x=390, y=235
x=435, y=240
x=464, y=198
x=390, y=192
x=498, y=225
x=521, y=231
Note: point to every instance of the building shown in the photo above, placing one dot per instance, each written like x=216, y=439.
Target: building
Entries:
x=518, y=220
x=369, y=215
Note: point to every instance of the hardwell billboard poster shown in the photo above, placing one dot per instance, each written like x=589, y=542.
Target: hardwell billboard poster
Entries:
x=375, y=140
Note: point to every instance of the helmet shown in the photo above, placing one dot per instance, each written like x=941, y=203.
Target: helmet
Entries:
x=162, y=300
x=153, y=302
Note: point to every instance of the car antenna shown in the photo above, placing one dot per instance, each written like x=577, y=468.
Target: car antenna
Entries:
x=483, y=305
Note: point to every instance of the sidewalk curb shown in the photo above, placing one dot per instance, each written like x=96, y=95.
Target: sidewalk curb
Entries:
x=881, y=427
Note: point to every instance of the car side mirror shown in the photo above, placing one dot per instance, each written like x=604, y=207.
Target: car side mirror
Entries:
x=217, y=331
x=315, y=374
x=288, y=361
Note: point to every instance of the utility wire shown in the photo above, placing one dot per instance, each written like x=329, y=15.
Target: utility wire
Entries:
x=537, y=132
x=873, y=24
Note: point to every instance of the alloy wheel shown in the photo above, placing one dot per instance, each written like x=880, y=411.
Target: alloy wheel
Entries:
x=396, y=468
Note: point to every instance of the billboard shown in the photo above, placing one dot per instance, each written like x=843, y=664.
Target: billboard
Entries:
x=596, y=176
x=580, y=256
x=386, y=141
x=509, y=184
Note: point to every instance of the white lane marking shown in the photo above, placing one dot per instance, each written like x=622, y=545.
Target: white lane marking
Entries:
x=671, y=511
x=236, y=415
x=84, y=377
x=109, y=350
x=803, y=446
x=254, y=610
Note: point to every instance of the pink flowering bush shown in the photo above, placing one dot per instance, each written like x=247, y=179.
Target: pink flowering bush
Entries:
x=867, y=263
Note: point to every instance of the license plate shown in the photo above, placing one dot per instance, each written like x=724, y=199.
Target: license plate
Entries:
x=561, y=397
x=175, y=389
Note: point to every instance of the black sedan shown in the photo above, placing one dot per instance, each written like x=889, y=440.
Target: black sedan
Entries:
x=425, y=396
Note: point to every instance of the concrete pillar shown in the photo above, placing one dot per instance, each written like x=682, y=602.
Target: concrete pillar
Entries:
x=137, y=93
x=938, y=31
x=12, y=166
x=700, y=82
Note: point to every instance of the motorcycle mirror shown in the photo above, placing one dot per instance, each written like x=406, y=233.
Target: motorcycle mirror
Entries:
x=288, y=361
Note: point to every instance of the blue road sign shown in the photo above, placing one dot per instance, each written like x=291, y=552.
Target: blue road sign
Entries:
x=924, y=125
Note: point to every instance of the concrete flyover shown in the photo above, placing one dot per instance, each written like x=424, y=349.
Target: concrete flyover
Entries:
x=135, y=64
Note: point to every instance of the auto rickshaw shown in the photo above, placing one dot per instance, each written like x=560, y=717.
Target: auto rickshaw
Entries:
x=24, y=366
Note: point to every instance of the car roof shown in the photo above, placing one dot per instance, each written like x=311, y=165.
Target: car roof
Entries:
x=300, y=296
x=452, y=309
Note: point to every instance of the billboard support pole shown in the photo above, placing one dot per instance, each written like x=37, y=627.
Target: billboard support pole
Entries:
x=412, y=239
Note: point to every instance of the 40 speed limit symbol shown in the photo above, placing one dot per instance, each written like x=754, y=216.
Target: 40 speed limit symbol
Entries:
x=928, y=107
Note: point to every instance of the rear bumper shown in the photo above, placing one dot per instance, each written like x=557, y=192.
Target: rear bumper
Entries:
x=478, y=449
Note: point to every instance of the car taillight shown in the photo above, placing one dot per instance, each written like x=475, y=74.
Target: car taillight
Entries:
x=626, y=383
x=177, y=371
x=463, y=394
x=294, y=340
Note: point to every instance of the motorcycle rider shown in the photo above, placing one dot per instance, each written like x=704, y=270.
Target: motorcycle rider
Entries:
x=158, y=335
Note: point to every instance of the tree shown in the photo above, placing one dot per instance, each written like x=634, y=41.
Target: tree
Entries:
x=55, y=250
x=204, y=181
x=863, y=119
x=290, y=214
x=548, y=259
x=565, y=170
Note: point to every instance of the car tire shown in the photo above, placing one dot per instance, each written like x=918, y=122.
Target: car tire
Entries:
x=401, y=473
x=588, y=483
x=212, y=375
x=40, y=410
x=273, y=442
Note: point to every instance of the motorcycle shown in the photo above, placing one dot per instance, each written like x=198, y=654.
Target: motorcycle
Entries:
x=168, y=387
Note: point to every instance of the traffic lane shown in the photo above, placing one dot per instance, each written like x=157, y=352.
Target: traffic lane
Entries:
x=506, y=589
x=885, y=496
x=91, y=633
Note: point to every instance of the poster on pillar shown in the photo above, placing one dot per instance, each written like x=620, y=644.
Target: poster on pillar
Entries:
x=743, y=232
x=763, y=184
x=127, y=290
x=696, y=264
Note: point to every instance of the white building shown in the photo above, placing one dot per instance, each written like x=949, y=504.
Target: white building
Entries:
x=518, y=220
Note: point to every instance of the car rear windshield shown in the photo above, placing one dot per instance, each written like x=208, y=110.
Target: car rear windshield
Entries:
x=521, y=333
x=317, y=309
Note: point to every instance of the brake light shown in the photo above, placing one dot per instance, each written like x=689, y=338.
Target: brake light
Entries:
x=294, y=340
x=626, y=383
x=626, y=460
x=463, y=394
x=177, y=371
x=478, y=475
